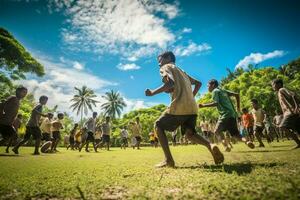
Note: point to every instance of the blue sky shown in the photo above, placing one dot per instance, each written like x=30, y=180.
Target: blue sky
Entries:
x=113, y=45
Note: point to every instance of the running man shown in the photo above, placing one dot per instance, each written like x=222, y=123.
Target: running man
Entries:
x=290, y=109
x=183, y=108
x=136, y=129
x=91, y=128
x=46, y=127
x=33, y=127
x=17, y=124
x=8, y=112
x=259, y=116
x=227, y=114
x=57, y=125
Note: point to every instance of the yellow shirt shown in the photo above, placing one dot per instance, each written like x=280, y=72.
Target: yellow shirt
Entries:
x=46, y=125
x=182, y=98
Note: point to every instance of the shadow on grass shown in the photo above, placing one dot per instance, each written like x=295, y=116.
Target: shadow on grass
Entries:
x=238, y=168
x=263, y=151
x=9, y=155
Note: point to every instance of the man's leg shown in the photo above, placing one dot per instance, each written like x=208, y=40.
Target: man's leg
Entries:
x=169, y=161
x=213, y=149
x=36, y=146
x=258, y=134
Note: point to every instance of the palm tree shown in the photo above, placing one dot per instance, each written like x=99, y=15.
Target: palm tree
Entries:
x=83, y=101
x=114, y=104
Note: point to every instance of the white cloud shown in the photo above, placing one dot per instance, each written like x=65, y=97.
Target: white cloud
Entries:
x=132, y=77
x=186, y=30
x=134, y=104
x=191, y=49
x=60, y=80
x=116, y=26
x=78, y=66
x=127, y=67
x=255, y=58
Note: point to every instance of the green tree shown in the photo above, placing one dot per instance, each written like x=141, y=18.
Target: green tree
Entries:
x=15, y=62
x=83, y=101
x=114, y=104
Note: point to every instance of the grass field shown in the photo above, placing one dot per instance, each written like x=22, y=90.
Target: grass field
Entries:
x=269, y=173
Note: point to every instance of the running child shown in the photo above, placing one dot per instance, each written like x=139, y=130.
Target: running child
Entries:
x=227, y=114
x=33, y=127
x=182, y=111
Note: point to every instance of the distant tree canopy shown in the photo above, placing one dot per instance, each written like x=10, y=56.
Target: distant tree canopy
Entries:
x=15, y=62
x=256, y=83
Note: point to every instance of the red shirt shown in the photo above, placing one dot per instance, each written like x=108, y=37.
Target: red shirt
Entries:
x=247, y=120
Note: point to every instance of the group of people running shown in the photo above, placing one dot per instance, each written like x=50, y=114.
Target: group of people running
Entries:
x=182, y=112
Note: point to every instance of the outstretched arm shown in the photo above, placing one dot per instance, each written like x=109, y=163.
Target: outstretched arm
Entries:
x=237, y=97
x=197, y=84
x=205, y=105
x=168, y=85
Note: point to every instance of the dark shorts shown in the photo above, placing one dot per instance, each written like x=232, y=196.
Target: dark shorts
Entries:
x=56, y=135
x=250, y=130
x=291, y=121
x=97, y=141
x=228, y=124
x=138, y=138
x=90, y=136
x=152, y=142
x=156, y=139
x=106, y=138
x=46, y=136
x=7, y=131
x=35, y=132
x=124, y=141
x=172, y=122
x=258, y=130
x=71, y=139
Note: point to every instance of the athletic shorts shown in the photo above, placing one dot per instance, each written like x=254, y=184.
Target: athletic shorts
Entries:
x=228, y=124
x=71, y=139
x=35, y=132
x=124, y=141
x=250, y=130
x=106, y=138
x=138, y=138
x=258, y=130
x=56, y=135
x=170, y=122
x=90, y=136
x=7, y=131
x=46, y=136
x=291, y=121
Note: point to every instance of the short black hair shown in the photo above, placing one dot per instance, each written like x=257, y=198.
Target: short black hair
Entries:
x=254, y=101
x=244, y=110
x=95, y=113
x=60, y=115
x=43, y=98
x=168, y=54
x=20, y=88
x=214, y=81
x=278, y=81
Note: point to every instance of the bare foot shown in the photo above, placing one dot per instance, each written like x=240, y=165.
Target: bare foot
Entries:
x=296, y=147
x=250, y=144
x=15, y=151
x=217, y=155
x=165, y=164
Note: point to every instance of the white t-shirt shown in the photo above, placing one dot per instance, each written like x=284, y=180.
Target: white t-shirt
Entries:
x=124, y=133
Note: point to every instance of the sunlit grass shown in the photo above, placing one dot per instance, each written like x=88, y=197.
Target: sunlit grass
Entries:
x=270, y=173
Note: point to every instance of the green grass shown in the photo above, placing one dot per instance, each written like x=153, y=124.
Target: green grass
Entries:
x=270, y=173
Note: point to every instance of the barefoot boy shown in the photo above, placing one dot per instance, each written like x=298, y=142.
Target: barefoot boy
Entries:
x=57, y=125
x=228, y=116
x=290, y=109
x=8, y=112
x=182, y=110
x=32, y=127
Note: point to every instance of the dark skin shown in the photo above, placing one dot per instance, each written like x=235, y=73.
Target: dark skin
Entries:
x=211, y=87
x=166, y=87
x=277, y=87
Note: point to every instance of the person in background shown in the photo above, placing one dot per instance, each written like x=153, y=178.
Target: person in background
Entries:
x=72, y=137
x=248, y=123
x=46, y=127
x=136, y=129
x=57, y=125
x=259, y=116
x=124, y=137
